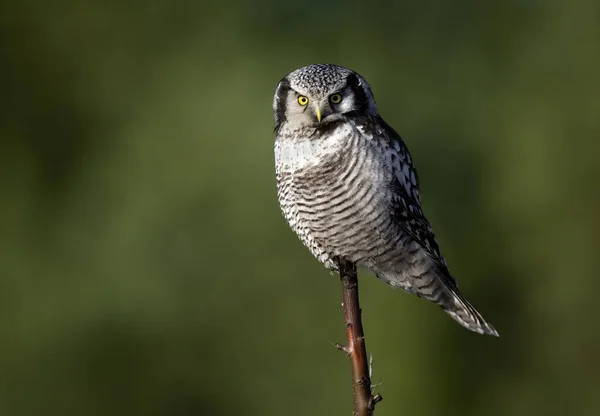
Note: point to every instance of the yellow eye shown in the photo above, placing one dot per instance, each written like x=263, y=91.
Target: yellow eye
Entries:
x=335, y=98
x=302, y=100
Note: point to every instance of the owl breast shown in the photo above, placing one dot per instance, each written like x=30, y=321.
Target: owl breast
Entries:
x=334, y=193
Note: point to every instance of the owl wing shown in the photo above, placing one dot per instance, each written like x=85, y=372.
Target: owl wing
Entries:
x=406, y=199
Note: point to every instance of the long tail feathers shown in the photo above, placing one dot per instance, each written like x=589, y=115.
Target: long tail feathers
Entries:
x=441, y=289
x=465, y=314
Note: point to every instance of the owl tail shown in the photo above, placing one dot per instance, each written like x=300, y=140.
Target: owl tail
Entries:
x=440, y=288
x=459, y=308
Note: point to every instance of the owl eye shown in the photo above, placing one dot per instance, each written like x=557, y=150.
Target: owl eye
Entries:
x=335, y=98
x=302, y=100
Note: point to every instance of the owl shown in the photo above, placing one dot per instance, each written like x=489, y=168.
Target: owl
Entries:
x=347, y=186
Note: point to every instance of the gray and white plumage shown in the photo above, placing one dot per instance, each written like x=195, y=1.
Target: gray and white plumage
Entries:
x=347, y=186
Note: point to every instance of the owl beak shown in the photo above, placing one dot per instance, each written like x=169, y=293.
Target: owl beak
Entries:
x=318, y=113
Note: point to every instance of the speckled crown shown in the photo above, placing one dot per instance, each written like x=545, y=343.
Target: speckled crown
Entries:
x=318, y=79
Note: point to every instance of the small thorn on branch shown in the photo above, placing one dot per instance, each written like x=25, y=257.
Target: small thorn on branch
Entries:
x=374, y=400
x=342, y=347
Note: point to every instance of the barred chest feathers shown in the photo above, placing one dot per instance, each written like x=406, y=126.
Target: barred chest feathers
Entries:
x=331, y=189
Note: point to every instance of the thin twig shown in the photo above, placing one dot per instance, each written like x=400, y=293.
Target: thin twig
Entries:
x=364, y=401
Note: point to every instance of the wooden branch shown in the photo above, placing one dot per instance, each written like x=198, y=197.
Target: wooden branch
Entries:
x=364, y=401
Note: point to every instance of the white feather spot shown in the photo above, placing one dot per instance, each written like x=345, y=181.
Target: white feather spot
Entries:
x=296, y=154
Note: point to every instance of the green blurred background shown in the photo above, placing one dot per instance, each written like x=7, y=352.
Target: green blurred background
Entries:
x=145, y=268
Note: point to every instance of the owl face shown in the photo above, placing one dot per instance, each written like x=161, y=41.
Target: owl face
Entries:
x=317, y=95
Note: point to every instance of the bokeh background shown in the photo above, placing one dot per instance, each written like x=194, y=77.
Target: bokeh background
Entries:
x=145, y=268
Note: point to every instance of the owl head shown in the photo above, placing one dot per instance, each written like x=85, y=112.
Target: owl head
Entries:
x=317, y=95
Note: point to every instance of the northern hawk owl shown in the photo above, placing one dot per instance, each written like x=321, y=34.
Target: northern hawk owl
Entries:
x=347, y=186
